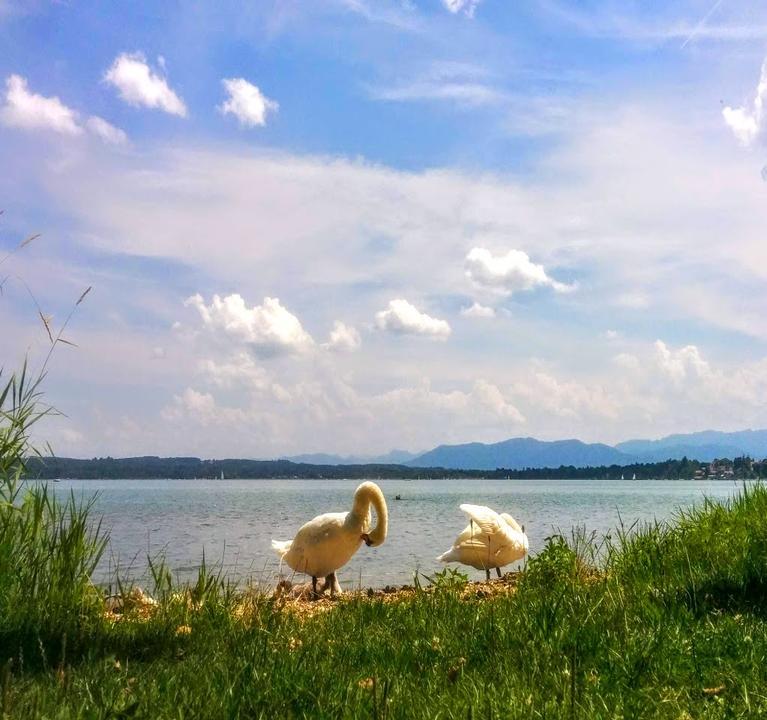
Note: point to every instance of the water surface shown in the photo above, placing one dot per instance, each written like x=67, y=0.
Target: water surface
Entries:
x=234, y=521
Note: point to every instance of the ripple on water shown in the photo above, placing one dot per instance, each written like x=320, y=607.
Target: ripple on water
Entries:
x=178, y=517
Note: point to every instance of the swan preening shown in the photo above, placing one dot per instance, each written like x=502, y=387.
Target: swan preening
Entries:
x=328, y=542
x=490, y=540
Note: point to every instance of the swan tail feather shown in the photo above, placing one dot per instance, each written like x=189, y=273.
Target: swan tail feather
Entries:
x=281, y=547
x=449, y=556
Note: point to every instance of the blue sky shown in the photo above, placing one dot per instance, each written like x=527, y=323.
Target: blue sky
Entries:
x=349, y=225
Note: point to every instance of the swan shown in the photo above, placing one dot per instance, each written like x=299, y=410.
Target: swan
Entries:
x=490, y=540
x=327, y=543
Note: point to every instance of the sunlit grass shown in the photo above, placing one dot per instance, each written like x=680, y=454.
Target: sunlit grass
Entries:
x=664, y=621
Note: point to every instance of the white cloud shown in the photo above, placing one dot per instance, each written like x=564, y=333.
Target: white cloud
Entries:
x=246, y=102
x=202, y=408
x=509, y=273
x=343, y=337
x=138, y=84
x=633, y=300
x=568, y=398
x=627, y=361
x=747, y=124
x=470, y=94
x=468, y=7
x=682, y=364
x=491, y=396
x=396, y=15
x=241, y=370
x=25, y=109
x=402, y=318
x=30, y=111
x=478, y=311
x=612, y=335
x=106, y=131
x=462, y=83
x=268, y=329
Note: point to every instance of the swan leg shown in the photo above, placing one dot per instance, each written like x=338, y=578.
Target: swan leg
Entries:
x=498, y=570
x=315, y=594
x=487, y=574
x=331, y=581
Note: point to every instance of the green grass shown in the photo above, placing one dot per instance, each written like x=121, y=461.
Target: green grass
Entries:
x=666, y=621
x=671, y=622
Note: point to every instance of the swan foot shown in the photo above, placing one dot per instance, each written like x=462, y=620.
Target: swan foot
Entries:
x=331, y=581
x=498, y=570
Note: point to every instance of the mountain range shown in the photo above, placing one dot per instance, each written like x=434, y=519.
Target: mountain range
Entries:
x=520, y=453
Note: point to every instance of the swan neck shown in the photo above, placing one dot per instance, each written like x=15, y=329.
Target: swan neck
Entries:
x=366, y=495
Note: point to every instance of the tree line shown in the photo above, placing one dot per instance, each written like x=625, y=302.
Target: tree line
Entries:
x=188, y=468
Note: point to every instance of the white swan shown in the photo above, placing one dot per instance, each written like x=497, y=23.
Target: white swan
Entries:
x=328, y=542
x=489, y=540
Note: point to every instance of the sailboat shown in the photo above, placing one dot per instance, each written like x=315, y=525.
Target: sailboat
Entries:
x=634, y=476
x=222, y=474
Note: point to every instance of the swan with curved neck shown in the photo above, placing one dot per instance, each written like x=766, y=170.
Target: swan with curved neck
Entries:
x=328, y=542
x=490, y=540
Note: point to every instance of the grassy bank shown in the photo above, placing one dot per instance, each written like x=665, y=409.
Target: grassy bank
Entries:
x=666, y=622
x=669, y=623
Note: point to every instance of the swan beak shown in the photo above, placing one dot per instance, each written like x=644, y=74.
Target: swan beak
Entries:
x=367, y=539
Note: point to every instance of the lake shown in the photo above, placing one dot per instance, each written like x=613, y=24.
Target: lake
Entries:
x=234, y=521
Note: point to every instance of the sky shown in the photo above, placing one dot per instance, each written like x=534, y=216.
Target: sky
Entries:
x=349, y=226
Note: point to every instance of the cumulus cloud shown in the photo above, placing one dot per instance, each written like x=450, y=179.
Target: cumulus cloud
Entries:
x=343, y=337
x=681, y=364
x=478, y=310
x=568, y=398
x=106, y=131
x=627, y=361
x=509, y=273
x=747, y=124
x=491, y=396
x=468, y=7
x=246, y=102
x=403, y=318
x=28, y=110
x=191, y=402
x=138, y=84
x=267, y=329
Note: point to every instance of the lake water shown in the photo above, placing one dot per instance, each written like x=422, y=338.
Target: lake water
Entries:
x=234, y=521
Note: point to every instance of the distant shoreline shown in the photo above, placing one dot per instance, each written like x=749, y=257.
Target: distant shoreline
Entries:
x=188, y=468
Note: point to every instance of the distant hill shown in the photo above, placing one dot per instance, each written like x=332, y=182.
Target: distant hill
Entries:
x=560, y=458
x=393, y=457
x=519, y=453
x=704, y=446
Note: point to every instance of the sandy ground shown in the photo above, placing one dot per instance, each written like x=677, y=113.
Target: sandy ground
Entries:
x=298, y=597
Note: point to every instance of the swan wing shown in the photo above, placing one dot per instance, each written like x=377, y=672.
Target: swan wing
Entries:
x=323, y=545
x=495, y=532
x=511, y=521
x=488, y=521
